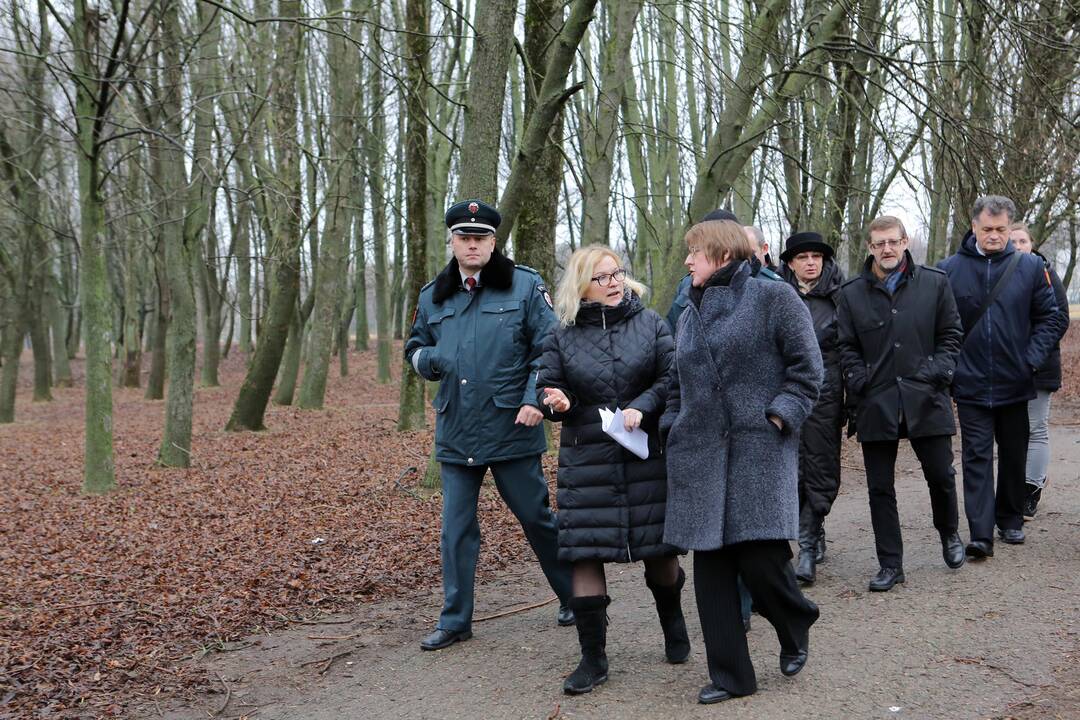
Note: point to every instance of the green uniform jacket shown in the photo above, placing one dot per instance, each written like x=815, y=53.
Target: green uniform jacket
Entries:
x=484, y=349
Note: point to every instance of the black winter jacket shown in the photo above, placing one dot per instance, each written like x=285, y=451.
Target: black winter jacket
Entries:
x=899, y=352
x=821, y=436
x=1049, y=375
x=611, y=503
x=1014, y=337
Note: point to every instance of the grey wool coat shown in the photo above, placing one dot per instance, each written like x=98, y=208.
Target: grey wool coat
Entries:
x=748, y=352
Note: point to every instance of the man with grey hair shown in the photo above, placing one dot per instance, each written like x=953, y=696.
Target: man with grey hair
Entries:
x=761, y=264
x=1011, y=321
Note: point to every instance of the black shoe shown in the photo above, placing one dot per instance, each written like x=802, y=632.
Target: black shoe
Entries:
x=711, y=694
x=791, y=664
x=980, y=549
x=669, y=610
x=746, y=623
x=1031, y=502
x=444, y=638
x=591, y=615
x=565, y=618
x=886, y=578
x=805, y=572
x=819, y=549
x=1012, y=537
x=952, y=549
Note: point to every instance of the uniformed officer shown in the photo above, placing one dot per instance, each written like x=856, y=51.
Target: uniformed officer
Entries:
x=479, y=330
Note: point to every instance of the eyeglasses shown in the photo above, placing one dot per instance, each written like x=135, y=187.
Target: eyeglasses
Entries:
x=694, y=249
x=892, y=243
x=605, y=279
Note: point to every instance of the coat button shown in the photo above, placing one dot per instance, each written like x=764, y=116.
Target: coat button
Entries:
x=464, y=381
x=894, y=311
x=896, y=344
x=899, y=379
x=930, y=358
x=470, y=461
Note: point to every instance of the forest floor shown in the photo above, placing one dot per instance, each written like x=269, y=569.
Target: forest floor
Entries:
x=290, y=574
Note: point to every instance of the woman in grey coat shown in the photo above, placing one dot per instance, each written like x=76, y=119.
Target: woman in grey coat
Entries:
x=748, y=372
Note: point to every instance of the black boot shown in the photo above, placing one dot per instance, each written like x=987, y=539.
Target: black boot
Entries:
x=819, y=550
x=591, y=614
x=669, y=609
x=808, y=542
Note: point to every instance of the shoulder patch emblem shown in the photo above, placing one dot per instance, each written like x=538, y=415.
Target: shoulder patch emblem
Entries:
x=546, y=295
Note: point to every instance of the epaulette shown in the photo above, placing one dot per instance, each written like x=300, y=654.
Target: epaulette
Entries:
x=932, y=268
x=429, y=284
x=526, y=268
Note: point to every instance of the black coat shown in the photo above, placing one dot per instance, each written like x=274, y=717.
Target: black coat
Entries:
x=999, y=359
x=1049, y=375
x=899, y=352
x=611, y=503
x=821, y=437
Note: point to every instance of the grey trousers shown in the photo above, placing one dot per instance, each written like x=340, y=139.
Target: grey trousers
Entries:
x=1038, y=457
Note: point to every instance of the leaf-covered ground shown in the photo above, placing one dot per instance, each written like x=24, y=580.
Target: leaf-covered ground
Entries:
x=103, y=598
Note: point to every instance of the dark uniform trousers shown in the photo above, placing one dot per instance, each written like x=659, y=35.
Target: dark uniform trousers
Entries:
x=522, y=486
x=980, y=427
x=936, y=457
x=765, y=568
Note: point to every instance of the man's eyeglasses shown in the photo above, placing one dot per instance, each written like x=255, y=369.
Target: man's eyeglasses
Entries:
x=882, y=243
x=606, y=279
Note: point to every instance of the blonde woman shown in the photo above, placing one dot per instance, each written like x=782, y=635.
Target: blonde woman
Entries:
x=609, y=351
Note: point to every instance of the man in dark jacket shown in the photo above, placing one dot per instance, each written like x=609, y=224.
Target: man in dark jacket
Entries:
x=1008, y=337
x=479, y=329
x=1047, y=381
x=899, y=336
x=808, y=266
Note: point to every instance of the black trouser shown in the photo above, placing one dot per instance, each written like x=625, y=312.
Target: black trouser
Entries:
x=936, y=457
x=765, y=568
x=980, y=427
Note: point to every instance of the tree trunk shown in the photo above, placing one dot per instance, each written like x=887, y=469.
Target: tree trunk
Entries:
x=335, y=242
x=375, y=148
x=250, y=407
x=99, y=475
x=175, y=450
x=601, y=136
x=411, y=407
x=494, y=24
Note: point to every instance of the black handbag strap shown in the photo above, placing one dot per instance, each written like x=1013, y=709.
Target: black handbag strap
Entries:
x=994, y=292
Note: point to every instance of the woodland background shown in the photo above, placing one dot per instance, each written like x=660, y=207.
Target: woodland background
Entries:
x=224, y=201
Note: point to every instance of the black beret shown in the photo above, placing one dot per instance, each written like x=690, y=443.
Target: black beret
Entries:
x=721, y=215
x=472, y=217
x=805, y=242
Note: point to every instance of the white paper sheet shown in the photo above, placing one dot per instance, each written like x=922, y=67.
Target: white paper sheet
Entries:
x=636, y=441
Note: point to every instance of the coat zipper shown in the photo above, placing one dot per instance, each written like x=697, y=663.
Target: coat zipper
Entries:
x=603, y=317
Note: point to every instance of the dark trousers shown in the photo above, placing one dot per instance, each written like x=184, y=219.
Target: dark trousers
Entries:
x=522, y=486
x=765, y=568
x=980, y=427
x=936, y=457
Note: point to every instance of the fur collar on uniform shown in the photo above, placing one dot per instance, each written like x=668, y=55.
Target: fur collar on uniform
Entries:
x=498, y=273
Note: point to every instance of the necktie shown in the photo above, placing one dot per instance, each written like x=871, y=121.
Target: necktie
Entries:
x=470, y=283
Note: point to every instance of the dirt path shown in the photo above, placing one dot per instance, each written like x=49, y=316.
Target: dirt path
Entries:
x=994, y=639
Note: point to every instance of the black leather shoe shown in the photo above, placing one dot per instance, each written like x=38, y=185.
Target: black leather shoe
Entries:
x=805, y=571
x=711, y=694
x=1012, y=537
x=444, y=638
x=979, y=549
x=952, y=549
x=819, y=549
x=791, y=664
x=886, y=578
x=1031, y=502
x=565, y=618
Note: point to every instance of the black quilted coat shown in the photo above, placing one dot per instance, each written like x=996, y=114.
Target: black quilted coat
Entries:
x=611, y=503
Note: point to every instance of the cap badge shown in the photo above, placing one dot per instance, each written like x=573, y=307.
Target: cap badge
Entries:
x=474, y=208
